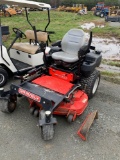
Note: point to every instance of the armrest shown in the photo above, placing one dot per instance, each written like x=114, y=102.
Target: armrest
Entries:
x=58, y=43
x=83, y=51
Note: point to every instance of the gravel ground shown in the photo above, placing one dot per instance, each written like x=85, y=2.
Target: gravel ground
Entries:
x=114, y=24
x=20, y=138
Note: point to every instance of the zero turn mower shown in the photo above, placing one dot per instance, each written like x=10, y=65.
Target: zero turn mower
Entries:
x=62, y=86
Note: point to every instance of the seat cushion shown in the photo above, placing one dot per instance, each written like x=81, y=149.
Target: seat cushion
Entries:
x=71, y=43
x=63, y=56
x=26, y=47
x=73, y=40
x=41, y=36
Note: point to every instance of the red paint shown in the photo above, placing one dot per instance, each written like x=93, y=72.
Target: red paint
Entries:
x=29, y=95
x=60, y=74
x=54, y=84
x=76, y=106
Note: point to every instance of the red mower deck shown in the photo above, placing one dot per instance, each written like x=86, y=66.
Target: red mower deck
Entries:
x=77, y=102
x=56, y=84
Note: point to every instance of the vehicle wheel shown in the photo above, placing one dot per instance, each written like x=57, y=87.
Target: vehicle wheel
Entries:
x=8, y=107
x=3, y=77
x=90, y=84
x=70, y=118
x=106, y=18
x=47, y=130
x=97, y=13
x=32, y=110
x=101, y=15
x=36, y=113
x=7, y=14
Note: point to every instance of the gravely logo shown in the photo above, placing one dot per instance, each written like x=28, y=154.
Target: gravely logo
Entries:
x=29, y=95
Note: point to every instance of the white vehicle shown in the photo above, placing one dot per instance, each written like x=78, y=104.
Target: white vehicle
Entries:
x=41, y=8
x=20, y=57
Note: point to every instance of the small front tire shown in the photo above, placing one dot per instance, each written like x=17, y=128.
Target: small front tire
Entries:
x=9, y=107
x=47, y=130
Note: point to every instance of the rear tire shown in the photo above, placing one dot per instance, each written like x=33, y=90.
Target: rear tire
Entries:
x=90, y=84
x=3, y=77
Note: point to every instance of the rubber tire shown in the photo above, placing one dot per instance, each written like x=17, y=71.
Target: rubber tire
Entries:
x=97, y=13
x=102, y=15
x=70, y=118
x=47, y=130
x=89, y=83
x=36, y=113
x=32, y=109
x=8, y=14
x=7, y=109
x=4, y=73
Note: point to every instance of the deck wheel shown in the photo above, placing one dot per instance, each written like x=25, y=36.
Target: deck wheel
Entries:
x=36, y=113
x=32, y=110
x=70, y=118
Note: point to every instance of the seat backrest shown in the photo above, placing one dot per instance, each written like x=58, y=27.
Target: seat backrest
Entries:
x=73, y=40
x=41, y=36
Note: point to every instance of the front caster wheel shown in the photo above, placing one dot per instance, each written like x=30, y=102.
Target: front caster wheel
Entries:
x=8, y=104
x=47, y=132
x=8, y=107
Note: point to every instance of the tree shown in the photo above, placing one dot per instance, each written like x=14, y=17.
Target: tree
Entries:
x=88, y=3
